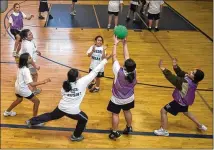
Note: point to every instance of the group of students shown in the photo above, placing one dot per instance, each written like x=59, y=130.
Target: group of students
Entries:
x=154, y=8
x=74, y=88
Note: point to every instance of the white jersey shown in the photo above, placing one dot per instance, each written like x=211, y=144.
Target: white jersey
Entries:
x=16, y=14
x=154, y=6
x=114, y=5
x=29, y=47
x=70, y=102
x=22, y=81
x=96, y=56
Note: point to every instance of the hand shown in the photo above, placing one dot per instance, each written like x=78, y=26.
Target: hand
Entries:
x=38, y=53
x=116, y=40
x=37, y=67
x=31, y=16
x=108, y=56
x=124, y=41
x=174, y=61
x=47, y=80
x=160, y=65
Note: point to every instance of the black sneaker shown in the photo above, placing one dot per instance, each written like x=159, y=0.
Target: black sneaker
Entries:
x=127, y=130
x=94, y=90
x=156, y=29
x=73, y=138
x=41, y=17
x=114, y=135
x=50, y=16
x=150, y=29
x=28, y=123
x=91, y=85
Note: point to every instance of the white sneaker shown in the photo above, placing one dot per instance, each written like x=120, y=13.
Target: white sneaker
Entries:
x=109, y=26
x=15, y=54
x=73, y=13
x=11, y=113
x=203, y=128
x=161, y=132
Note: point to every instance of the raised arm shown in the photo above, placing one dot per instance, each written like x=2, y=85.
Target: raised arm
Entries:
x=125, y=49
x=177, y=69
x=114, y=50
x=173, y=79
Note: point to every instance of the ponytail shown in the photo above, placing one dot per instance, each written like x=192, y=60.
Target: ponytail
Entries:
x=130, y=77
x=66, y=86
x=129, y=71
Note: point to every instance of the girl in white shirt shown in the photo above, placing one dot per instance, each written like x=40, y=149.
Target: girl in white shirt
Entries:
x=97, y=53
x=29, y=46
x=154, y=10
x=24, y=85
x=73, y=92
x=114, y=7
x=16, y=24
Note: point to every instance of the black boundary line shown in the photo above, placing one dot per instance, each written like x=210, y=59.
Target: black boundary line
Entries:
x=106, y=131
x=152, y=85
x=101, y=131
x=205, y=102
x=189, y=22
x=140, y=83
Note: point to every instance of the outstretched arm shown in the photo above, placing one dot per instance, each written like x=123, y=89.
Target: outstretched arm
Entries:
x=125, y=49
x=114, y=50
x=173, y=79
x=88, y=78
x=177, y=69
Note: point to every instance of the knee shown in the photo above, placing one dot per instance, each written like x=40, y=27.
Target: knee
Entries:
x=163, y=111
x=185, y=113
x=37, y=101
x=19, y=100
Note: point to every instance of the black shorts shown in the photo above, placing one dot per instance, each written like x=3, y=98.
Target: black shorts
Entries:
x=43, y=6
x=133, y=7
x=74, y=1
x=29, y=97
x=153, y=16
x=99, y=75
x=113, y=13
x=114, y=108
x=174, y=108
x=15, y=32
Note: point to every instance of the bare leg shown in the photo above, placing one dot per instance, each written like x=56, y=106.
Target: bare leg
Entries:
x=115, y=121
x=191, y=117
x=164, y=119
x=15, y=103
x=115, y=20
x=128, y=117
x=36, y=102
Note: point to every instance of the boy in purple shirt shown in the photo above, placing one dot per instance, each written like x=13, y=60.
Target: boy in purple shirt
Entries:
x=184, y=95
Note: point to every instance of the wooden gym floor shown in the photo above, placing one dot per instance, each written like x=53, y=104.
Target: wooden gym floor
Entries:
x=67, y=47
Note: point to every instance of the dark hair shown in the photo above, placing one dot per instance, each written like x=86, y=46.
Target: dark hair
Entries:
x=23, y=60
x=99, y=36
x=130, y=66
x=24, y=33
x=72, y=77
x=199, y=75
x=14, y=5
